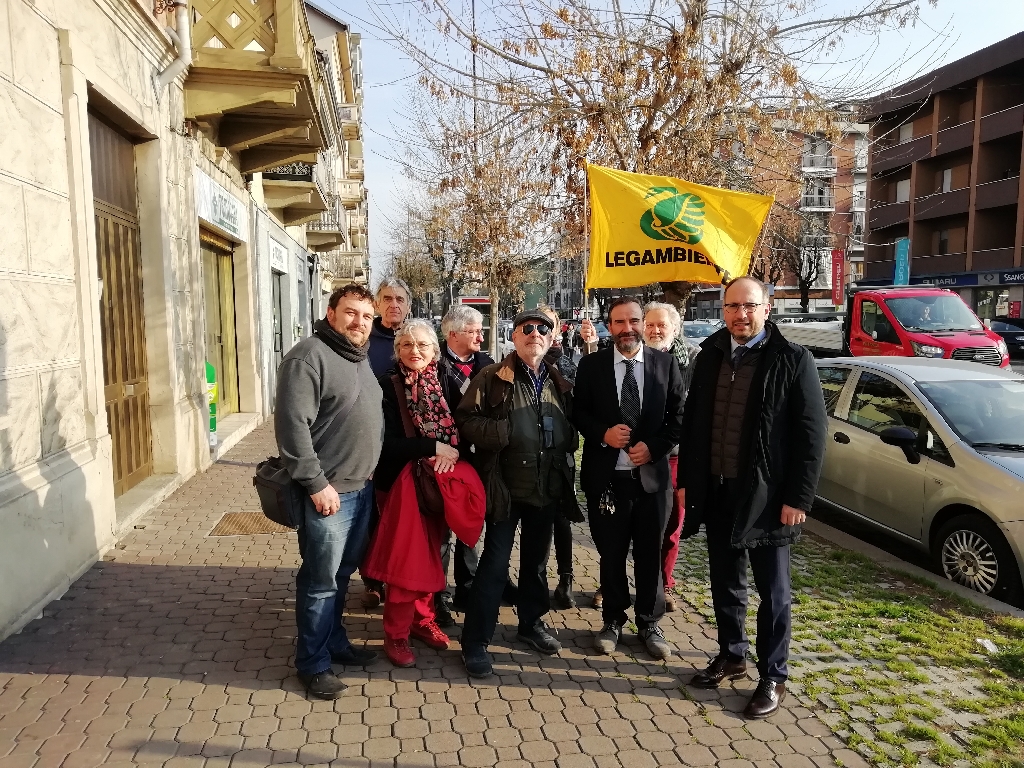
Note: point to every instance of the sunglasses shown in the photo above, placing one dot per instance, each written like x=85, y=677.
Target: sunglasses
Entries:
x=530, y=328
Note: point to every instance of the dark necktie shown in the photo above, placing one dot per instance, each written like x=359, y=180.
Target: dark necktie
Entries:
x=737, y=356
x=629, y=402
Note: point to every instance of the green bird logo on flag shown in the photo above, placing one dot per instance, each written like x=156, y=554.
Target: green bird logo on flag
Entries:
x=674, y=216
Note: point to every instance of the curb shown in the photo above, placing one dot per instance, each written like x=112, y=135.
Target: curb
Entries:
x=883, y=558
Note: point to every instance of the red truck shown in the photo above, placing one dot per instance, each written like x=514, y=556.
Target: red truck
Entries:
x=903, y=321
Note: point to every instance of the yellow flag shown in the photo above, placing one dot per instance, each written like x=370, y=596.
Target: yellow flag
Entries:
x=649, y=229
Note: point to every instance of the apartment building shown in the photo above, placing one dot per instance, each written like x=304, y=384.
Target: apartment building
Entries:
x=945, y=173
x=168, y=173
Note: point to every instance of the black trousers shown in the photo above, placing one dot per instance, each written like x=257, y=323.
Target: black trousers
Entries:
x=728, y=567
x=466, y=562
x=492, y=572
x=563, y=545
x=639, y=519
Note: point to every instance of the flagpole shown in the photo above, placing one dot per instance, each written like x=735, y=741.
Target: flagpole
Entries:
x=586, y=220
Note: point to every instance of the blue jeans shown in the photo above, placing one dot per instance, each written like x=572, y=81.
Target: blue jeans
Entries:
x=331, y=548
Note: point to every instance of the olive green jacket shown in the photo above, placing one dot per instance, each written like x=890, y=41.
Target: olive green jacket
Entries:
x=506, y=452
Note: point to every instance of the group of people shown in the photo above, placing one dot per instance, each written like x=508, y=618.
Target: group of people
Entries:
x=400, y=441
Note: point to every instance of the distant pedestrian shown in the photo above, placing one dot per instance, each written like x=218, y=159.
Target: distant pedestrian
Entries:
x=517, y=414
x=754, y=434
x=661, y=331
x=629, y=411
x=405, y=552
x=329, y=430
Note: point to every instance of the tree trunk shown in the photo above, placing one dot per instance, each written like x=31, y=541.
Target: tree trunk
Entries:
x=677, y=294
x=805, y=296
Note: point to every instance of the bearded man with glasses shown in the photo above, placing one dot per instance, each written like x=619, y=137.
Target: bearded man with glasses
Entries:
x=517, y=415
x=752, y=445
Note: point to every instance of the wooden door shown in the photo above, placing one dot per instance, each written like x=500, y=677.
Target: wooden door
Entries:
x=122, y=319
x=221, y=344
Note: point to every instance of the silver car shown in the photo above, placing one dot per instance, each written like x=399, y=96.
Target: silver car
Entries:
x=932, y=452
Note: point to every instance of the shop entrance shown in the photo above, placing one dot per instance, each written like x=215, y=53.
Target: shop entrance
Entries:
x=219, y=289
x=992, y=303
x=122, y=320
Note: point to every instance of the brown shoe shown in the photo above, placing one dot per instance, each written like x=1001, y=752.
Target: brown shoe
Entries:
x=670, y=602
x=371, y=598
x=719, y=669
x=598, y=599
x=765, y=701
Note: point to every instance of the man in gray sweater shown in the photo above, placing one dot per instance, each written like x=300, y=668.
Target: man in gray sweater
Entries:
x=330, y=427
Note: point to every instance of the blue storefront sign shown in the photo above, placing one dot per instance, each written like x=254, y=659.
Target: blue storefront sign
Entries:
x=945, y=281
x=901, y=275
x=1012, y=278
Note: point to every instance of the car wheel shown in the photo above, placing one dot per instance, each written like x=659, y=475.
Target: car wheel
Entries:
x=972, y=551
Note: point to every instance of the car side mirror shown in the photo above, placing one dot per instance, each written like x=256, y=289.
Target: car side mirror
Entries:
x=904, y=438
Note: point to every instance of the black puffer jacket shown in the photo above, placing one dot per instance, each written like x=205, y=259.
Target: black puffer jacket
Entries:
x=782, y=445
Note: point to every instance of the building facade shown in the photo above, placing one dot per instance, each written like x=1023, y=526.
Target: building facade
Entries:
x=158, y=189
x=945, y=172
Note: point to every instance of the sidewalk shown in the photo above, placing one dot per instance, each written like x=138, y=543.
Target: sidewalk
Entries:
x=176, y=651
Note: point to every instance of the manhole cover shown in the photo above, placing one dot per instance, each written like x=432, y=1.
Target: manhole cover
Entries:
x=245, y=523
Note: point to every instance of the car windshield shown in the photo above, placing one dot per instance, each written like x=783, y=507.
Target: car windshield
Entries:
x=698, y=330
x=987, y=414
x=933, y=313
x=601, y=328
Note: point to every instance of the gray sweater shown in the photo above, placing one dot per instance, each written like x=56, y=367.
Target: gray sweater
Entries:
x=313, y=385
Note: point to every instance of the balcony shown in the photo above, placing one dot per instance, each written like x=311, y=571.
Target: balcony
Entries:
x=355, y=159
x=992, y=259
x=296, y=191
x=817, y=202
x=356, y=222
x=938, y=264
x=894, y=155
x=349, y=116
x=351, y=193
x=958, y=137
x=1003, y=123
x=327, y=232
x=950, y=203
x=882, y=216
x=254, y=80
x=997, y=193
x=818, y=165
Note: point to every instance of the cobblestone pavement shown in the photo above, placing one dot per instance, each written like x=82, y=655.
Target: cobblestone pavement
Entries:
x=175, y=651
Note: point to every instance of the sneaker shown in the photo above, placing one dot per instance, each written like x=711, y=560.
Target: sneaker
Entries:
x=477, y=661
x=670, y=602
x=608, y=637
x=655, y=641
x=562, y=598
x=431, y=634
x=354, y=657
x=323, y=685
x=540, y=639
x=398, y=651
x=598, y=599
x=371, y=598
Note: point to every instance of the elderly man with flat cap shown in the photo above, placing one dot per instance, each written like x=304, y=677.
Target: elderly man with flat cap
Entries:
x=518, y=416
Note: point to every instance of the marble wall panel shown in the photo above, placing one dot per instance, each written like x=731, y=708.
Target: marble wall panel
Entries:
x=38, y=322
x=19, y=422
x=6, y=62
x=49, y=233
x=182, y=318
x=13, y=237
x=63, y=412
x=36, y=57
x=32, y=139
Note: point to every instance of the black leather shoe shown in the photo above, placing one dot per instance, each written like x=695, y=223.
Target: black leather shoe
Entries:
x=323, y=685
x=765, y=701
x=477, y=661
x=354, y=657
x=562, y=598
x=540, y=639
x=443, y=614
x=510, y=594
x=719, y=669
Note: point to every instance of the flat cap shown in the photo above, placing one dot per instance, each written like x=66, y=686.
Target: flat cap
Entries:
x=535, y=315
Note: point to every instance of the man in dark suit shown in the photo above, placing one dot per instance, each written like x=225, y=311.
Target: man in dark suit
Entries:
x=754, y=432
x=629, y=414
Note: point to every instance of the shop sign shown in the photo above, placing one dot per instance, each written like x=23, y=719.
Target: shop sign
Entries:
x=945, y=281
x=1014, y=309
x=278, y=256
x=901, y=274
x=1012, y=278
x=219, y=208
x=838, y=276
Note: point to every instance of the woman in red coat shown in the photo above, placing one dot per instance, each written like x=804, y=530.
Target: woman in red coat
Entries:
x=405, y=552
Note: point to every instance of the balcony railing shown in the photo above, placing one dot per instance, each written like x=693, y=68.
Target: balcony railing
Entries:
x=331, y=220
x=812, y=163
x=350, y=191
x=817, y=201
x=356, y=221
x=356, y=166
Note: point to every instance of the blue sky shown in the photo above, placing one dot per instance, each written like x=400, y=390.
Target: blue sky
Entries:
x=945, y=33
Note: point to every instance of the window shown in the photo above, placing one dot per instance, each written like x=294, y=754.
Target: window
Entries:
x=943, y=241
x=832, y=382
x=906, y=132
x=947, y=180
x=903, y=191
x=932, y=446
x=875, y=324
x=879, y=404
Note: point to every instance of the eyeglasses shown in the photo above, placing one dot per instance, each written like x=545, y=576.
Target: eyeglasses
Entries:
x=529, y=328
x=748, y=307
x=422, y=346
x=479, y=333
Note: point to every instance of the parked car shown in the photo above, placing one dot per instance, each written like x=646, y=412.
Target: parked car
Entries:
x=604, y=336
x=505, y=344
x=903, y=321
x=698, y=330
x=1011, y=329
x=931, y=452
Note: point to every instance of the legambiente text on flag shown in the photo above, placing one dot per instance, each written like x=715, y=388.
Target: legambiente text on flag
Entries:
x=648, y=229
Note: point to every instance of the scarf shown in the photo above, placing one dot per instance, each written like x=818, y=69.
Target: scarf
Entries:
x=339, y=343
x=430, y=413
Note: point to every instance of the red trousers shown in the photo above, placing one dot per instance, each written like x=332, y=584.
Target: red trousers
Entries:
x=402, y=607
x=670, y=547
